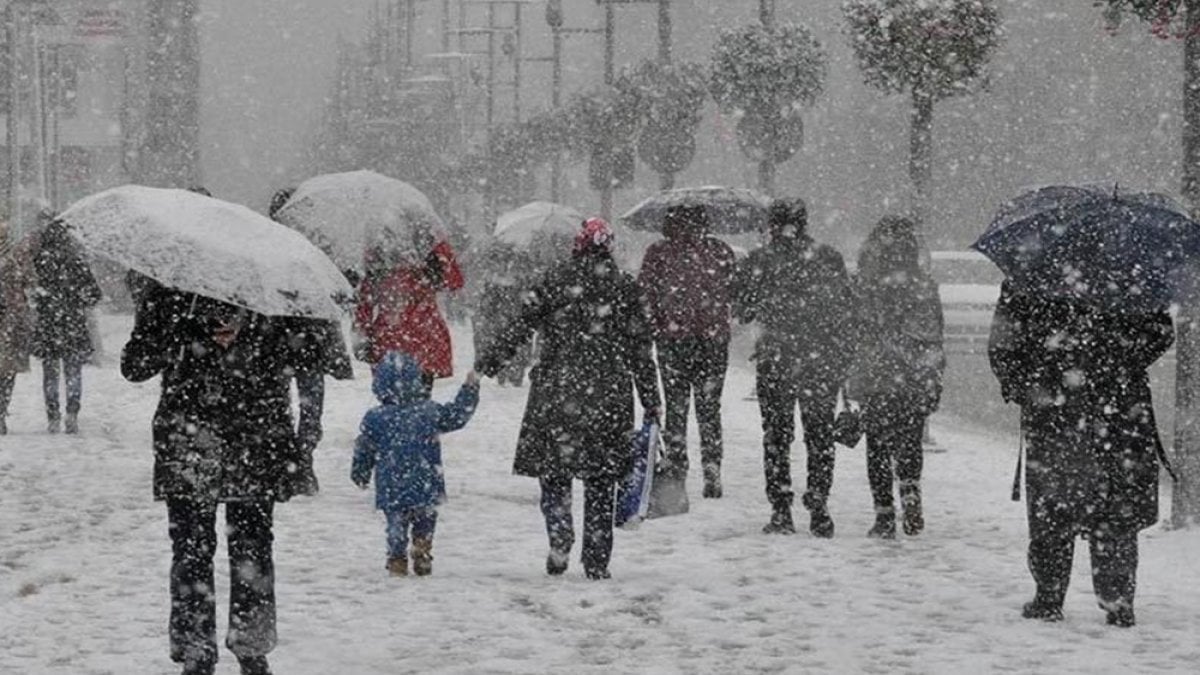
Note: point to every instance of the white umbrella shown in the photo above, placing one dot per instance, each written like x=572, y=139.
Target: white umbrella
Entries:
x=209, y=247
x=522, y=226
x=345, y=214
x=730, y=210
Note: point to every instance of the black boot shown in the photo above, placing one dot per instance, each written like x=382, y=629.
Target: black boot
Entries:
x=819, y=522
x=254, y=665
x=712, y=481
x=1121, y=617
x=200, y=667
x=885, y=525
x=781, y=521
x=556, y=563
x=1043, y=607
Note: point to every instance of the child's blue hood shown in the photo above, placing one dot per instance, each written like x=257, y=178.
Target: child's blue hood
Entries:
x=398, y=380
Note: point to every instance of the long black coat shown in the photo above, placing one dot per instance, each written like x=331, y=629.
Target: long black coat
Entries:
x=1080, y=378
x=800, y=293
x=65, y=290
x=596, y=347
x=223, y=429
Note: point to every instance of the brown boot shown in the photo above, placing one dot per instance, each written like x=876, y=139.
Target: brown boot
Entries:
x=398, y=567
x=422, y=555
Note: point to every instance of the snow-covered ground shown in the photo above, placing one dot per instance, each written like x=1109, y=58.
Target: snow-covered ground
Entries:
x=84, y=557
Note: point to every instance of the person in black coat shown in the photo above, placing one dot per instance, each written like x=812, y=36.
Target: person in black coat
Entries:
x=799, y=291
x=65, y=291
x=596, y=350
x=223, y=434
x=1092, y=444
x=897, y=370
x=327, y=353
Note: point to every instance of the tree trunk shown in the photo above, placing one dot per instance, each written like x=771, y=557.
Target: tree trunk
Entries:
x=171, y=155
x=1185, y=498
x=766, y=177
x=920, y=165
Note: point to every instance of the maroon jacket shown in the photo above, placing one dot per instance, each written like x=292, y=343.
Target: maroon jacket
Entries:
x=686, y=280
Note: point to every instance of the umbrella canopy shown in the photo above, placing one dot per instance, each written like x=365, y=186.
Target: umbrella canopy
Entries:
x=1116, y=249
x=730, y=210
x=346, y=214
x=209, y=247
x=524, y=226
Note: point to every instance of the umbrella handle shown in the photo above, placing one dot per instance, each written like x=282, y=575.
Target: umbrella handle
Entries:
x=190, y=314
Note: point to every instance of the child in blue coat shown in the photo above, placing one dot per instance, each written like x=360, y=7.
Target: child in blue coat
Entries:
x=399, y=441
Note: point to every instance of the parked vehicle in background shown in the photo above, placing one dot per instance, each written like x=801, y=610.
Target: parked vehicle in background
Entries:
x=969, y=285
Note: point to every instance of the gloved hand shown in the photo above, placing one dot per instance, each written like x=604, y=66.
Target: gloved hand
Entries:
x=651, y=414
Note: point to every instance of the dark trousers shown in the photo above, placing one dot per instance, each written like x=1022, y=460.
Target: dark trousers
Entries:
x=193, y=627
x=693, y=368
x=1060, y=492
x=597, y=519
x=72, y=375
x=1114, y=561
x=421, y=521
x=6, y=389
x=894, y=429
x=779, y=392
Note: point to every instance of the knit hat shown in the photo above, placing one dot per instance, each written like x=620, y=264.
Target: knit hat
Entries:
x=595, y=235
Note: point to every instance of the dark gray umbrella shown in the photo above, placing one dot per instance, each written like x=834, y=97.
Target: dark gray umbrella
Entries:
x=730, y=210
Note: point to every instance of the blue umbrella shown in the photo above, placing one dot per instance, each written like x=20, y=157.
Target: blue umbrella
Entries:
x=1114, y=249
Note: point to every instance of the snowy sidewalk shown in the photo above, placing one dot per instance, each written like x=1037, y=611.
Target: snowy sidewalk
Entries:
x=84, y=558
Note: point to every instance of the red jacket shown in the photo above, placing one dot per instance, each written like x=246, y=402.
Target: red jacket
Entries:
x=399, y=312
x=686, y=281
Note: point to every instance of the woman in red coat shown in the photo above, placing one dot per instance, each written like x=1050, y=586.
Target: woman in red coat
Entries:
x=398, y=311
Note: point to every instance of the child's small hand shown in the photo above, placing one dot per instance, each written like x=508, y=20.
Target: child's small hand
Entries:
x=472, y=378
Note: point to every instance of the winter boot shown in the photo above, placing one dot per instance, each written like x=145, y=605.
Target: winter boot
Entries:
x=53, y=424
x=201, y=667
x=819, y=522
x=556, y=563
x=254, y=665
x=914, y=519
x=3, y=426
x=398, y=567
x=781, y=521
x=422, y=555
x=71, y=423
x=712, y=481
x=1119, y=613
x=885, y=525
x=1043, y=607
x=597, y=573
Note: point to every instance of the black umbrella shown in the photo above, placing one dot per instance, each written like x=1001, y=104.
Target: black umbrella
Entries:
x=1111, y=248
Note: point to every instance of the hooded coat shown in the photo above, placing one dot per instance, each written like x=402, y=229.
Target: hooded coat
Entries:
x=1080, y=378
x=596, y=348
x=398, y=311
x=686, y=279
x=223, y=429
x=399, y=439
x=65, y=291
x=898, y=328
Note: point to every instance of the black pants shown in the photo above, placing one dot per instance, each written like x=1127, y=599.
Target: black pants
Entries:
x=597, y=519
x=1058, y=493
x=193, y=627
x=693, y=368
x=894, y=428
x=779, y=392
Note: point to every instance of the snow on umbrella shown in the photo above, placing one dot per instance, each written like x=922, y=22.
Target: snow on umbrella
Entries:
x=346, y=214
x=524, y=226
x=730, y=210
x=1111, y=248
x=209, y=247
